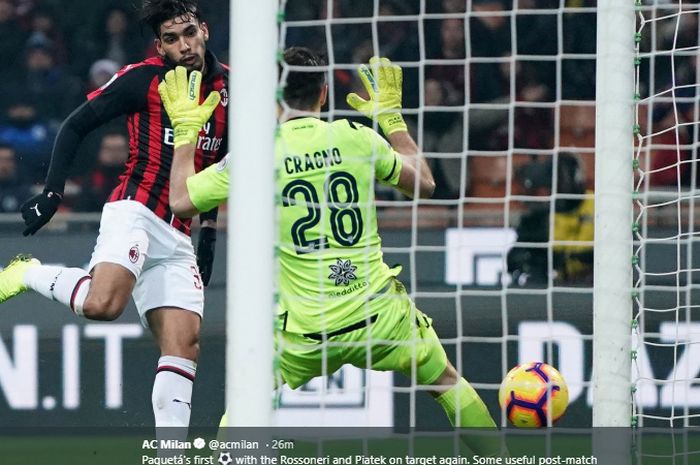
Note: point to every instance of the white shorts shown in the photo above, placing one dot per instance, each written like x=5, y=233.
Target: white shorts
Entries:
x=161, y=258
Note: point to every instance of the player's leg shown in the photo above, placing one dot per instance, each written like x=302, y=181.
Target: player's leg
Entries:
x=109, y=292
x=460, y=402
x=116, y=263
x=102, y=295
x=177, y=333
x=299, y=359
x=118, y=260
x=170, y=300
x=465, y=409
x=406, y=341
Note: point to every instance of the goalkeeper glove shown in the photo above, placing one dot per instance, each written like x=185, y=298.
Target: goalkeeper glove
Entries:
x=383, y=83
x=38, y=210
x=180, y=97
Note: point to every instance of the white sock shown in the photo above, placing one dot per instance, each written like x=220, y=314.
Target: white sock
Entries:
x=172, y=391
x=69, y=286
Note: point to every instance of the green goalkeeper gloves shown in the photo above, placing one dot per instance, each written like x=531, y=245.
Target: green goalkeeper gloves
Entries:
x=180, y=97
x=383, y=81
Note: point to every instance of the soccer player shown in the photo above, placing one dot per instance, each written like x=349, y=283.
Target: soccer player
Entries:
x=338, y=299
x=142, y=249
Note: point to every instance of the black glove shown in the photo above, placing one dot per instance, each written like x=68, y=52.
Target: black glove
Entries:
x=38, y=210
x=205, y=253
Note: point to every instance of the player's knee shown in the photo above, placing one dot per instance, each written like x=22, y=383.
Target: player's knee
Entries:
x=103, y=308
x=192, y=348
x=185, y=346
x=189, y=340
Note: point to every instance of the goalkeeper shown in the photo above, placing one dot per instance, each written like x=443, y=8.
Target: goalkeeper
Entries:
x=338, y=299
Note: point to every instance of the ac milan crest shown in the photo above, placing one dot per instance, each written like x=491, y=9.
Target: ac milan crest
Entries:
x=224, y=96
x=134, y=254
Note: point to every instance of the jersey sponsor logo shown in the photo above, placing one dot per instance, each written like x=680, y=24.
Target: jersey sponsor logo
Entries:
x=349, y=289
x=342, y=272
x=204, y=142
x=134, y=254
x=224, y=97
x=210, y=144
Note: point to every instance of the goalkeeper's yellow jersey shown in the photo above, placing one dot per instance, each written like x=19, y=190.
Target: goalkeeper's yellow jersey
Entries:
x=329, y=248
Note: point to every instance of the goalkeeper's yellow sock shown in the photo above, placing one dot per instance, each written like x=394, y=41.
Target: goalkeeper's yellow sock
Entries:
x=465, y=409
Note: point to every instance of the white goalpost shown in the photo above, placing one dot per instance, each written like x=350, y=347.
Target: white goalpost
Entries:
x=250, y=258
x=612, y=294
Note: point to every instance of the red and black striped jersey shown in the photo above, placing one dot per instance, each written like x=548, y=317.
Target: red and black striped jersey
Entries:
x=133, y=92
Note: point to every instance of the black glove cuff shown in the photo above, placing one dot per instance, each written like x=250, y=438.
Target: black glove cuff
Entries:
x=207, y=234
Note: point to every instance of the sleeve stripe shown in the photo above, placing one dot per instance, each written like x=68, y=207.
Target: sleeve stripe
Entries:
x=393, y=168
x=120, y=73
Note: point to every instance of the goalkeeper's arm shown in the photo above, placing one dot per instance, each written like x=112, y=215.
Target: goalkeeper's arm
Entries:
x=182, y=168
x=383, y=82
x=190, y=192
x=180, y=96
x=413, y=167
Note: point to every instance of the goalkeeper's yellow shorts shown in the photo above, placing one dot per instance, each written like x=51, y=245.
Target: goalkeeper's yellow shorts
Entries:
x=390, y=334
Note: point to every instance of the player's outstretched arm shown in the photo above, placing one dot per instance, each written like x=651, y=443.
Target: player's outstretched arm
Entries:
x=414, y=169
x=38, y=210
x=383, y=81
x=181, y=169
x=180, y=96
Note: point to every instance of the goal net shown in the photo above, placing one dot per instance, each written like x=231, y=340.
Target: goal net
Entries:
x=666, y=327
x=500, y=97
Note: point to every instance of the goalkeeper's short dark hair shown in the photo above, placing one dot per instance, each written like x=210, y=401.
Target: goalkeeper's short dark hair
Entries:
x=156, y=12
x=303, y=88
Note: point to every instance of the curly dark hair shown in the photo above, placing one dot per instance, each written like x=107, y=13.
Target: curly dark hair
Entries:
x=303, y=87
x=156, y=12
